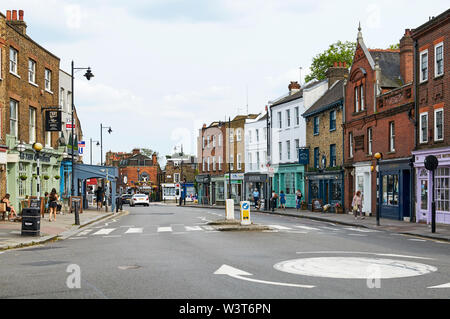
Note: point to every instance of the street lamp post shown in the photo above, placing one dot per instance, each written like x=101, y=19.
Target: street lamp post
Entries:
x=37, y=147
x=229, y=163
x=98, y=143
x=88, y=76
x=101, y=140
x=378, y=156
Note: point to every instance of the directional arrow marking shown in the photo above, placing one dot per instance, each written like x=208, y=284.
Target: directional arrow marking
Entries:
x=442, y=286
x=237, y=273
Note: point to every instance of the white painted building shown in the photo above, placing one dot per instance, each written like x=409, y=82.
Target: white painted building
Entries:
x=256, y=170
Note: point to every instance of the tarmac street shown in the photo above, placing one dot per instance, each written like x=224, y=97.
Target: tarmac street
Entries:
x=165, y=251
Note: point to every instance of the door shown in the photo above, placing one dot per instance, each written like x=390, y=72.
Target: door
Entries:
x=406, y=193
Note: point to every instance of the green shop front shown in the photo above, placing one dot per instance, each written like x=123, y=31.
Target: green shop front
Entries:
x=21, y=181
x=289, y=178
x=218, y=190
x=237, y=186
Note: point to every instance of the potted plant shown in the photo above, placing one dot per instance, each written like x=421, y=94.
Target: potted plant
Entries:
x=46, y=177
x=338, y=208
x=57, y=177
x=23, y=177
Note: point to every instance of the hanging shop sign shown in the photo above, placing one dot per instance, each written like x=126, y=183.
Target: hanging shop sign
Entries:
x=53, y=121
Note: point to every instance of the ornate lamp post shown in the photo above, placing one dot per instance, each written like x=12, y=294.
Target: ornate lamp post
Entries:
x=378, y=156
x=37, y=147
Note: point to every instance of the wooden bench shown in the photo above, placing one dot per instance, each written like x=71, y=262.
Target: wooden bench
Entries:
x=3, y=210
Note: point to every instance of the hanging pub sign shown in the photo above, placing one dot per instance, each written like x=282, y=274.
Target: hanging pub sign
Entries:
x=53, y=121
x=303, y=156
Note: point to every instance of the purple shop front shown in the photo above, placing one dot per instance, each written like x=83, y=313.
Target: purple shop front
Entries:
x=425, y=183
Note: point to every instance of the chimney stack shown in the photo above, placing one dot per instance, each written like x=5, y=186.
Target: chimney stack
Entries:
x=407, y=57
x=337, y=72
x=18, y=24
x=294, y=87
x=154, y=159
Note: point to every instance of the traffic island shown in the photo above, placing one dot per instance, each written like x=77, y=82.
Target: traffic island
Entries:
x=235, y=225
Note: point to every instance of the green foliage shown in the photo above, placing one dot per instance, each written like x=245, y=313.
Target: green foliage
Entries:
x=337, y=52
x=394, y=46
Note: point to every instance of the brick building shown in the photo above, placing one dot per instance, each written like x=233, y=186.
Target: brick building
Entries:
x=432, y=86
x=324, y=144
x=139, y=173
x=179, y=172
x=379, y=117
x=29, y=81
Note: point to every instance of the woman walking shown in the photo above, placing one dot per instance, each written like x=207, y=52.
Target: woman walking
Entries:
x=282, y=200
x=356, y=205
x=53, y=204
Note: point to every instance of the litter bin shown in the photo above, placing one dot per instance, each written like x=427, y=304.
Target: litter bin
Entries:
x=119, y=203
x=31, y=221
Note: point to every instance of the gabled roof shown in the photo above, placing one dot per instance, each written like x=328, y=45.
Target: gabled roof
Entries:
x=389, y=61
x=331, y=98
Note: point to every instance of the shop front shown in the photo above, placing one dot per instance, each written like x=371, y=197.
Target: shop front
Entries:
x=396, y=181
x=424, y=185
x=326, y=186
x=203, y=188
x=257, y=181
x=363, y=183
x=217, y=190
x=289, y=178
x=237, y=186
x=21, y=171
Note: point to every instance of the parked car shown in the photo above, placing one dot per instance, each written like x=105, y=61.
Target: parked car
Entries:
x=139, y=199
x=126, y=198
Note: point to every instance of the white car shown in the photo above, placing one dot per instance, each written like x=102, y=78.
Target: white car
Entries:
x=139, y=199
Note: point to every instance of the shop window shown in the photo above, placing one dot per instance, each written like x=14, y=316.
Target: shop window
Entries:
x=390, y=190
x=314, y=189
x=424, y=194
x=336, y=191
x=289, y=180
x=442, y=189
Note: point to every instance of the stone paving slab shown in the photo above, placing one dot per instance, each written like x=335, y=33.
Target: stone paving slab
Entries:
x=10, y=232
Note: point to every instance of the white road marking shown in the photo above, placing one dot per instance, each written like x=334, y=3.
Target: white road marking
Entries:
x=361, y=252
x=193, y=228
x=236, y=273
x=280, y=227
x=85, y=232
x=112, y=236
x=414, y=239
x=362, y=230
x=209, y=228
x=104, y=231
x=134, y=230
x=164, y=229
x=77, y=237
x=447, y=285
x=353, y=267
x=306, y=227
x=360, y=235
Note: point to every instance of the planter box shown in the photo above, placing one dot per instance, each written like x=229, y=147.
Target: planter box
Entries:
x=339, y=210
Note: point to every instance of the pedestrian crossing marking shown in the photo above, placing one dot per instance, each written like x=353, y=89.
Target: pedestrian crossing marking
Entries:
x=84, y=232
x=362, y=230
x=134, y=230
x=164, y=229
x=104, y=231
x=208, y=228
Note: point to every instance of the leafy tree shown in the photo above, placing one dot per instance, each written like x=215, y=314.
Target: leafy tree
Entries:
x=394, y=46
x=148, y=152
x=337, y=52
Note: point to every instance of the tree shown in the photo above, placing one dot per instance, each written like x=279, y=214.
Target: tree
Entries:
x=394, y=46
x=148, y=152
x=337, y=52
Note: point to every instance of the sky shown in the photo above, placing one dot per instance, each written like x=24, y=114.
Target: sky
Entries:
x=164, y=67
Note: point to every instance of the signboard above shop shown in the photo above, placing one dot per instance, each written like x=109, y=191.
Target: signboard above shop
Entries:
x=303, y=156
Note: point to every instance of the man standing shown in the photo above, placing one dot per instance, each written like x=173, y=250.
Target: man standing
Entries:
x=256, y=197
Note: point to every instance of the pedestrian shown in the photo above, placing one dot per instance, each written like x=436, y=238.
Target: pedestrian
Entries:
x=282, y=200
x=256, y=197
x=53, y=204
x=298, y=197
x=99, y=195
x=10, y=209
x=46, y=202
x=273, y=199
x=356, y=205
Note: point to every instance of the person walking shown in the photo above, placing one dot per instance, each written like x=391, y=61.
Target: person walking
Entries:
x=53, y=204
x=356, y=205
x=282, y=200
x=273, y=200
x=256, y=197
x=99, y=195
x=298, y=198
x=46, y=203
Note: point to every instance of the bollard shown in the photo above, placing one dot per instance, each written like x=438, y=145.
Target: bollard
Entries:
x=229, y=209
x=245, y=213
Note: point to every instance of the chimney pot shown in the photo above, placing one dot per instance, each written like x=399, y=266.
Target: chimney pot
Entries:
x=14, y=15
x=21, y=15
x=8, y=15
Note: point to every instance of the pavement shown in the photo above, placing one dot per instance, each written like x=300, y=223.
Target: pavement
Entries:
x=10, y=232
x=397, y=226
